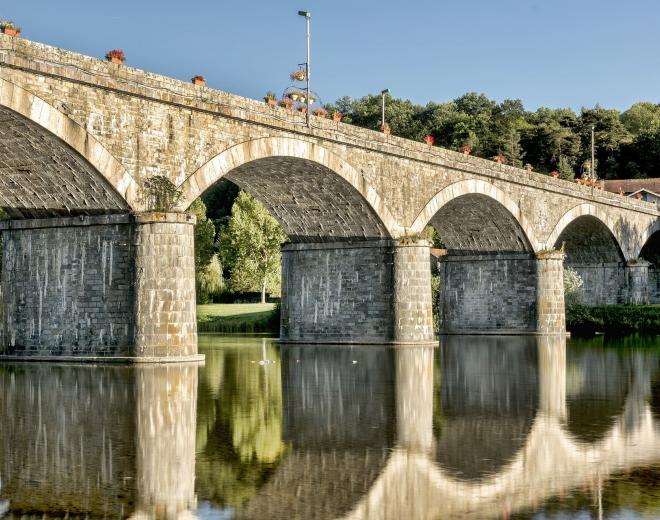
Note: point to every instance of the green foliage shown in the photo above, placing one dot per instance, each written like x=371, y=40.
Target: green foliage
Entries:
x=432, y=235
x=239, y=423
x=208, y=270
x=160, y=194
x=572, y=283
x=435, y=301
x=613, y=319
x=565, y=168
x=209, y=280
x=250, y=247
x=627, y=144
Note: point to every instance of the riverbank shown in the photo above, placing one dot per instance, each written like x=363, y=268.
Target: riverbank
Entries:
x=236, y=318
x=613, y=319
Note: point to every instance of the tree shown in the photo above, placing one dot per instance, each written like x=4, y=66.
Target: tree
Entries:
x=610, y=135
x=209, y=280
x=642, y=118
x=204, y=248
x=250, y=247
x=565, y=168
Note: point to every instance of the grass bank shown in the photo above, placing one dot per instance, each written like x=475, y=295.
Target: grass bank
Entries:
x=239, y=318
x=613, y=319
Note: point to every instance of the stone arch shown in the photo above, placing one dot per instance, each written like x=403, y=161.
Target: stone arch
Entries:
x=71, y=152
x=593, y=250
x=649, y=246
x=303, y=181
x=501, y=205
x=583, y=210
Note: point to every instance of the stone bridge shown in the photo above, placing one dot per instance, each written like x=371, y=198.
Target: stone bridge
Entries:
x=89, y=270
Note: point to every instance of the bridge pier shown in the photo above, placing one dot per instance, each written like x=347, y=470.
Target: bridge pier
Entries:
x=639, y=278
x=357, y=292
x=504, y=293
x=616, y=283
x=113, y=287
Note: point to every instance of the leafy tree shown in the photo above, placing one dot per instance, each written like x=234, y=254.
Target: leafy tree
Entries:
x=250, y=247
x=549, y=135
x=204, y=235
x=204, y=250
x=209, y=280
x=642, y=118
x=565, y=168
x=610, y=135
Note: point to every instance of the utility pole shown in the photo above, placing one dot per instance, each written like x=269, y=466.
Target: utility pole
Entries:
x=308, y=17
x=593, y=154
x=382, y=118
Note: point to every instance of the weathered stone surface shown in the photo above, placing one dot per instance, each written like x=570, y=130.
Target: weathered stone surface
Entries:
x=488, y=294
x=67, y=286
x=99, y=286
x=348, y=292
x=550, y=311
x=80, y=136
x=165, y=312
x=129, y=125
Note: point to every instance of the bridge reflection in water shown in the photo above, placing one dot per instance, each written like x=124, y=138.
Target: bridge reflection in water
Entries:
x=480, y=428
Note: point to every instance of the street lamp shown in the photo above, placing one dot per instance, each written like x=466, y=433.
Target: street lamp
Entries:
x=382, y=93
x=308, y=17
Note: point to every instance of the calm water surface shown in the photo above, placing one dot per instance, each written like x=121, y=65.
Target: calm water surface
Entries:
x=506, y=427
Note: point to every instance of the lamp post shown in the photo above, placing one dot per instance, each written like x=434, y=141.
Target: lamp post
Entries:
x=593, y=154
x=382, y=94
x=308, y=17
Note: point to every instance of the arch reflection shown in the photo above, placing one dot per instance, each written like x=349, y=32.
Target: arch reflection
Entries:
x=479, y=428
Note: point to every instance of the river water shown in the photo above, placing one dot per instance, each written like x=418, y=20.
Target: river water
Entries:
x=481, y=427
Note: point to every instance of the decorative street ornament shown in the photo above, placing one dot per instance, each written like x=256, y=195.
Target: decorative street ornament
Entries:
x=467, y=149
x=429, y=139
x=298, y=75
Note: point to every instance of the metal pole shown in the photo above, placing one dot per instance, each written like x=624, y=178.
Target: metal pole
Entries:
x=382, y=118
x=307, y=69
x=593, y=154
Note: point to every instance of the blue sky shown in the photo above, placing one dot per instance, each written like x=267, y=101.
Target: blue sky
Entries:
x=554, y=53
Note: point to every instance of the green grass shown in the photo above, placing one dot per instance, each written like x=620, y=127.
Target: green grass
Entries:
x=232, y=318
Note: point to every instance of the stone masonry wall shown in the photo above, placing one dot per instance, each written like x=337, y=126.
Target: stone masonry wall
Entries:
x=487, y=293
x=339, y=292
x=550, y=305
x=165, y=312
x=120, y=285
x=413, y=310
x=603, y=284
x=67, y=286
x=146, y=124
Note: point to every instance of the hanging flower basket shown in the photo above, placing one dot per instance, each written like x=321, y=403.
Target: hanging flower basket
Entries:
x=336, y=116
x=10, y=28
x=320, y=112
x=116, y=56
x=429, y=139
x=529, y=167
x=303, y=109
x=554, y=173
x=298, y=75
x=467, y=149
x=385, y=128
x=199, y=80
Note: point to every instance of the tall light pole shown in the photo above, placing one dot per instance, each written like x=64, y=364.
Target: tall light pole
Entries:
x=308, y=17
x=382, y=94
x=593, y=154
